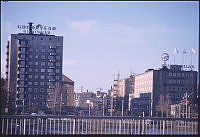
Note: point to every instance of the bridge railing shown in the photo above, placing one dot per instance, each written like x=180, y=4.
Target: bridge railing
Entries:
x=51, y=124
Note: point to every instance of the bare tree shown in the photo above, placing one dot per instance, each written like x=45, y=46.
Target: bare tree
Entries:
x=163, y=105
x=57, y=97
x=4, y=99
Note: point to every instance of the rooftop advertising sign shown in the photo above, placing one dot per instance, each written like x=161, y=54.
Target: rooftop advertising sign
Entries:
x=36, y=29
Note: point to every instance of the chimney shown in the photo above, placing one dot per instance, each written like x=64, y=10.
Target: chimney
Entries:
x=30, y=28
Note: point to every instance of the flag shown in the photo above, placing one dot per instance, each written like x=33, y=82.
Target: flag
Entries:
x=184, y=51
x=185, y=100
x=176, y=51
x=193, y=51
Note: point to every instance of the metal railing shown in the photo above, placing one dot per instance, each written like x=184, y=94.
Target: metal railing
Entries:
x=46, y=125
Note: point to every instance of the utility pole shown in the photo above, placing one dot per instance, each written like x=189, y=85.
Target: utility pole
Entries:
x=103, y=107
x=111, y=105
x=122, y=107
x=23, y=107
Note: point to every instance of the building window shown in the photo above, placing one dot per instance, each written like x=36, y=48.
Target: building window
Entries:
x=42, y=70
x=30, y=76
x=50, y=70
x=35, y=89
x=57, y=64
x=57, y=77
x=30, y=69
x=21, y=62
x=50, y=64
x=36, y=76
x=31, y=49
x=36, y=63
x=29, y=89
x=43, y=50
x=36, y=56
x=21, y=89
x=57, y=57
x=57, y=51
x=22, y=69
x=41, y=83
x=42, y=76
x=43, y=57
x=36, y=70
x=30, y=56
x=42, y=63
x=42, y=90
x=35, y=83
x=29, y=83
x=57, y=70
x=22, y=76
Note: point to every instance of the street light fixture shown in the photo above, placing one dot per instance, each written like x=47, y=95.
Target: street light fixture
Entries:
x=88, y=101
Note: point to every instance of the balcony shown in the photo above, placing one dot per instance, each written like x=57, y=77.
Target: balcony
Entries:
x=23, y=45
x=51, y=67
x=52, y=54
x=52, y=47
x=21, y=66
x=51, y=80
x=20, y=79
x=21, y=52
x=52, y=60
x=25, y=85
x=51, y=74
x=19, y=58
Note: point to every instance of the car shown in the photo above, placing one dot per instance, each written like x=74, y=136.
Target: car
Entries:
x=33, y=114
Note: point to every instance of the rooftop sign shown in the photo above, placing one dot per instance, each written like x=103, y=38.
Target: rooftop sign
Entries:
x=36, y=29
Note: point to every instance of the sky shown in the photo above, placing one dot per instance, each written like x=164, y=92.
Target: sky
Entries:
x=102, y=39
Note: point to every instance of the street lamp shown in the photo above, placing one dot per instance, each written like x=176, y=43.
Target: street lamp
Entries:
x=88, y=101
x=103, y=107
x=122, y=107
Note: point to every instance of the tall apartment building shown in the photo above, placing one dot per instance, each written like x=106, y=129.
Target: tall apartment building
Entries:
x=34, y=65
x=174, y=82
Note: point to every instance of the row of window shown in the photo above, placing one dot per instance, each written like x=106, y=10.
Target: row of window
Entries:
x=42, y=57
x=174, y=81
x=44, y=50
x=178, y=88
x=41, y=38
x=184, y=75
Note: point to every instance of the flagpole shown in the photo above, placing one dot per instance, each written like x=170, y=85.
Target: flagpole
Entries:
x=191, y=60
x=174, y=58
x=186, y=104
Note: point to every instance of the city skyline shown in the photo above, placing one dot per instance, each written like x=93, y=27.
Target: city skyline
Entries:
x=103, y=38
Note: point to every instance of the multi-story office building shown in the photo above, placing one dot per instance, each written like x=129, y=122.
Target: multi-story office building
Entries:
x=173, y=82
x=34, y=65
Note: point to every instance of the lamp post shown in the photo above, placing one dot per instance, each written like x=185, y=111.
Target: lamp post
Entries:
x=88, y=101
x=103, y=107
x=23, y=107
x=122, y=107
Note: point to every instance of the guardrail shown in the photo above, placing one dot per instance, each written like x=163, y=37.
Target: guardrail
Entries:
x=51, y=124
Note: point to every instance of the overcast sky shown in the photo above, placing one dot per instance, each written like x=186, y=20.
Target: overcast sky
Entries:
x=104, y=38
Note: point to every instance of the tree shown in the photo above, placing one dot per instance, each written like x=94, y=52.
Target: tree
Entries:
x=4, y=91
x=163, y=105
x=56, y=98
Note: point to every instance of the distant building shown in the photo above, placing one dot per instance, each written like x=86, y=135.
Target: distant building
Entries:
x=68, y=91
x=171, y=82
x=123, y=92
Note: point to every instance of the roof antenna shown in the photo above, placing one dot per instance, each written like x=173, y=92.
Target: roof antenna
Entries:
x=30, y=28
